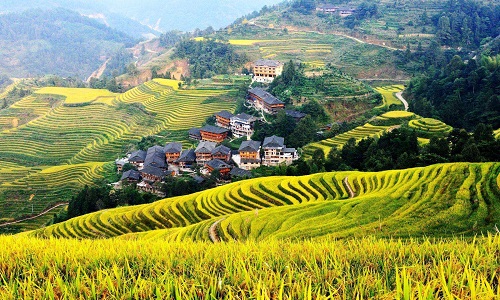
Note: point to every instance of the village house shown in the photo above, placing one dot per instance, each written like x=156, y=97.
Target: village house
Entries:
x=130, y=176
x=346, y=11
x=137, y=158
x=249, y=155
x=153, y=174
x=276, y=153
x=327, y=8
x=265, y=101
x=204, y=152
x=265, y=70
x=240, y=173
x=194, y=134
x=223, y=119
x=187, y=159
x=219, y=165
x=242, y=125
x=155, y=157
x=296, y=115
x=213, y=134
x=172, y=151
x=120, y=162
x=339, y=10
x=222, y=152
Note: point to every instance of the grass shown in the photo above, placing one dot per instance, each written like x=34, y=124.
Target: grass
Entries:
x=76, y=95
x=72, y=137
x=437, y=200
x=321, y=269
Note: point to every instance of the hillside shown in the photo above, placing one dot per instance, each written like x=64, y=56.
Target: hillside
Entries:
x=438, y=200
x=56, y=140
x=56, y=41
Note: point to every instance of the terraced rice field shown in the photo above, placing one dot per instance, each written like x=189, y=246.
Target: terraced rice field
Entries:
x=425, y=128
x=441, y=199
x=76, y=95
x=428, y=127
x=497, y=133
x=389, y=98
x=63, y=138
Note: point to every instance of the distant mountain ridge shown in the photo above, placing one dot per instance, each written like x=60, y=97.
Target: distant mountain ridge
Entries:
x=59, y=41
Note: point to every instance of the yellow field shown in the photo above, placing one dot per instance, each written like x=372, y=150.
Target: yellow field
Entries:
x=398, y=114
x=249, y=42
x=76, y=95
x=388, y=95
x=174, y=84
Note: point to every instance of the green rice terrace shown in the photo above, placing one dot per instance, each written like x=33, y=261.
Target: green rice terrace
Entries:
x=439, y=200
x=424, y=127
x=57, y=139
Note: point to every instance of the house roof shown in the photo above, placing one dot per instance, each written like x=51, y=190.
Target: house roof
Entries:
x=224, y=114
x=198, y=179
x=194, y=131
x=155, y=157
x=121, y=161
x=249, y=146
x=289, y=150
x=217, y=164
x=265, y=96
x=237, y=172
x=151, y=170
x=139, y=155
x=274, y=142
x=245, y=117
x=295, y=114
x=173, y=147
x=221, y=149
x=213, y=129
x=187, y=156
x=267, y=63
x=205, y=147
x=131, y=174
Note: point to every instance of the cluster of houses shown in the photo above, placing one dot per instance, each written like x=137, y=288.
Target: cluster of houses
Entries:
x=158, y=162
x=342, y=11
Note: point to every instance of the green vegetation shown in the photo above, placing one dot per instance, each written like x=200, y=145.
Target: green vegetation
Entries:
x=51, y=149
x=392, y=203
x=390, y=101
x=468, y=90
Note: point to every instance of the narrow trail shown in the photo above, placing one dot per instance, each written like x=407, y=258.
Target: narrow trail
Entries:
x=399, y=95
x=348, y=187
x=212, y=231
x=35, y=216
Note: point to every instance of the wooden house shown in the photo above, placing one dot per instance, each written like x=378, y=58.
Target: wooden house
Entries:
x=213, y=133
x=222, y=152
x=204, y=152
x=249, y=155
x=172, y=151
x=265, y=101
x=219, y=165
x=265, y=70
x=223, y=119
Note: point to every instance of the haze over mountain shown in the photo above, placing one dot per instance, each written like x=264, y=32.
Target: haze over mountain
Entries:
x=162, y=15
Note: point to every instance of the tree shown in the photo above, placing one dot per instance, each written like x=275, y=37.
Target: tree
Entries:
x=304, y=133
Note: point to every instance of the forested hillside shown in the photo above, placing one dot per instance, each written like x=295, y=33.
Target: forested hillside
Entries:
x=56, y=41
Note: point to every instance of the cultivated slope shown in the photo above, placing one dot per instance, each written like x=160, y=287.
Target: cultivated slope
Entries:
x=440, y=200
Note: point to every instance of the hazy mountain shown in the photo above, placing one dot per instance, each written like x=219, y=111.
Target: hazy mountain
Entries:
x=163, y=15
x=59, y=41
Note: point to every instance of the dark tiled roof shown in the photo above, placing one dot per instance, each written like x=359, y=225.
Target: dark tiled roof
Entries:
x=221, y=149
x=173, y=148
x=150, y=170
x=194, y=131
x=155, y=157
x=295, y=114
x=139, y=155
x=289, y=150
x=274, y=142
x=268, y=98
x=213, y=129
x=198, y=179
x=205, y=147
x=224, y=114
x=245, y=117
x=267, y=63
x=237, y=172
x=131, y=174
x=217, y=164
x=249, y=146
x=187, y=156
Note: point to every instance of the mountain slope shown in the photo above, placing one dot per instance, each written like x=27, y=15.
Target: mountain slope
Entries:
x=57, y=41
x=441, y=199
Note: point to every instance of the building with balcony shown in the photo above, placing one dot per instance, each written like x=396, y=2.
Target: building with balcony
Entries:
x=242, y=125
x=249, y=155
x=265, y=70
x=276, y=153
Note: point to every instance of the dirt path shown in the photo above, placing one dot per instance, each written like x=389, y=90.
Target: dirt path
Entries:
x=212, y=231
x=399, y=95
x=97, y=73
x=348, y=187
x=35, y=216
